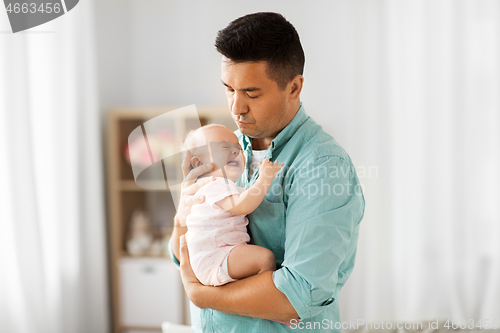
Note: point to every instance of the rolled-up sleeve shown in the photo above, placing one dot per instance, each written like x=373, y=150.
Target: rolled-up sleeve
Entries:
x=172, y=255
x=324, y=207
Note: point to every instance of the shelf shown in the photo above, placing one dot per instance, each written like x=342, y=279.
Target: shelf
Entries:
x=145, y=256
x=153, y=185
x=141, y=328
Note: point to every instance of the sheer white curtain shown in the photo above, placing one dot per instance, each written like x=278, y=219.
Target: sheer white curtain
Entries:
x=52, y=227
x=427, y=81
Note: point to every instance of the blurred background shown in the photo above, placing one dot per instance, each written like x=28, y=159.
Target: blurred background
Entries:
x=409, y=88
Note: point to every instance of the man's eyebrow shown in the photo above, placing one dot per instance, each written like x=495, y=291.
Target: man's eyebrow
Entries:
x=244, y=89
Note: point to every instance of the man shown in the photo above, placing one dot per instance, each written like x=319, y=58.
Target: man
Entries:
x=309, y=218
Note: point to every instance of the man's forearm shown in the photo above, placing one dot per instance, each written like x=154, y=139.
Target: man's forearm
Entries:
x=176, y=234
x=255, y=296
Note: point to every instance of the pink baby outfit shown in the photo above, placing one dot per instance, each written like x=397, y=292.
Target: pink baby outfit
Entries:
x=214, y=232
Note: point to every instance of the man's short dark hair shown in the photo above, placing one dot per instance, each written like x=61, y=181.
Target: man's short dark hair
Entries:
x=264, y=37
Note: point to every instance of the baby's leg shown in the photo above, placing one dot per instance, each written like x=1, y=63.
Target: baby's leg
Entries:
x=246, y=260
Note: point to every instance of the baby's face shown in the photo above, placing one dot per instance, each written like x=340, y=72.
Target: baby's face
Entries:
x=226, y=152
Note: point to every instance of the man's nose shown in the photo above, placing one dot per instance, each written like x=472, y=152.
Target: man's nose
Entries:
x=239, y=106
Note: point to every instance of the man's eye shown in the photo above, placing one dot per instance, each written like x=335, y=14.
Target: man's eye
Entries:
x=252, y=96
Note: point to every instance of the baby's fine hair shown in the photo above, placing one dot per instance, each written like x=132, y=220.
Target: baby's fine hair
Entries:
x=192, y=139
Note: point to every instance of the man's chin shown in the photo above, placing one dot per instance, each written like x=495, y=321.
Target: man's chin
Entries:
x=246, y=131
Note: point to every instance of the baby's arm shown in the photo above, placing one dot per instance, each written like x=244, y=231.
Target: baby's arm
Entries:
x=249, y=200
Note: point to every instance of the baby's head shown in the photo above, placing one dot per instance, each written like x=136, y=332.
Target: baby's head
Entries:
x=219, y=145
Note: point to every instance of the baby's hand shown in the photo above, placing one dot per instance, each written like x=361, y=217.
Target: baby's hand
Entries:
x=268, y=170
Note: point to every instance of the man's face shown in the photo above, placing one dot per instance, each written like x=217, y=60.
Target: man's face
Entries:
x=257, y=104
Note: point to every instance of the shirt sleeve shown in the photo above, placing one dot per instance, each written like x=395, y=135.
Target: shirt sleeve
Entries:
x=219, y=189
x=324, y=208
x=172, y=255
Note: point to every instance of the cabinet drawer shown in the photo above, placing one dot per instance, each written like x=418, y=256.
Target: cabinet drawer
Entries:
x=151, y=292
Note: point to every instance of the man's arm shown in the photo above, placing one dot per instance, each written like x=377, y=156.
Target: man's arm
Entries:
x=255, y=296
x=324, y=208
x=176, y=234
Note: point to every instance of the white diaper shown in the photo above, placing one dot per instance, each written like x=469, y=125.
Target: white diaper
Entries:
x=223, y=273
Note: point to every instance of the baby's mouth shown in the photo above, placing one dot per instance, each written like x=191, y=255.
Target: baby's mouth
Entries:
x=234, y=163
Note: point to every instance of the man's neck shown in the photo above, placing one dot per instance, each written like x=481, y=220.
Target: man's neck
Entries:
x=265, y=143
x=261, y=144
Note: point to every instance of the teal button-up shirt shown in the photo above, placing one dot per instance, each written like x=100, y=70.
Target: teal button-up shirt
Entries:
x=310, y=220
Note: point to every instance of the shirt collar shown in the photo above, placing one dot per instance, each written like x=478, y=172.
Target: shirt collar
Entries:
x=285, y=134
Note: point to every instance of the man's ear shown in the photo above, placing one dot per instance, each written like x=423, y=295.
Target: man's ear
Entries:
x=196, y=162
x=295, y=86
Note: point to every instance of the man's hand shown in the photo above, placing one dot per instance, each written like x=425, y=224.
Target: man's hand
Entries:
x=189, y=279
x=188, y=197
x=189, y=187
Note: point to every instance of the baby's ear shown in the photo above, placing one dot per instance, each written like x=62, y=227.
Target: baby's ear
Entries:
x=196, y=162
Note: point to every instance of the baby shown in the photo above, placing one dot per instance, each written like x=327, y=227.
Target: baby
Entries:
x=217, y=236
